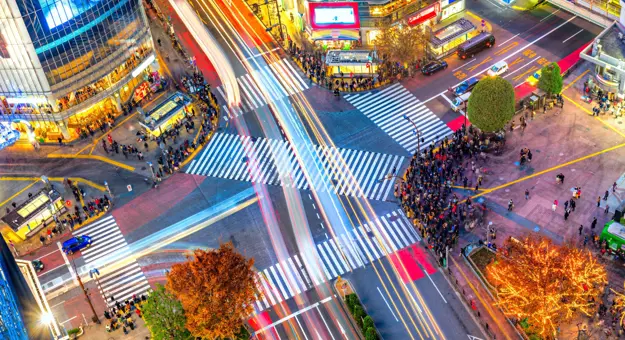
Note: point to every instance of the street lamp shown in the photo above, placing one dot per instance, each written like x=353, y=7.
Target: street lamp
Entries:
x=416, y=132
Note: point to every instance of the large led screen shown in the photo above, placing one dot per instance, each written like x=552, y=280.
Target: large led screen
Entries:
x=324, y=15
x=333, y=15
x=60, y=11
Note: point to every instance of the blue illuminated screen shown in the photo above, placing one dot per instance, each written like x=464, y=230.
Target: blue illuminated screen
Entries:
x=60, y=11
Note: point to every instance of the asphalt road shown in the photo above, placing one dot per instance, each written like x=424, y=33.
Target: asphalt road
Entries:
x=404, y=293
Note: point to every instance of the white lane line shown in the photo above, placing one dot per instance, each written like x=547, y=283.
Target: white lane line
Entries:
x=71, y=270
x=300, y=327
x=509, y=56
x=50, y=253
x=465, y=64
x=569, y=38
x=288, y=317
x=435, y=286
x=520, y=68
x=260, y=54
x=325, y=323
x=550, y=15
x=387, y=305
x=505, y=42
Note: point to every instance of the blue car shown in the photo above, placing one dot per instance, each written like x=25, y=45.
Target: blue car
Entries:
x=465, y=86
x=75, y=244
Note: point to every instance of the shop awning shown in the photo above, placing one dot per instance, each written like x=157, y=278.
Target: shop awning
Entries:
x=335, y=34
x=418, y=20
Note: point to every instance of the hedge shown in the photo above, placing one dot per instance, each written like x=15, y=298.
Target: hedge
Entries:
x=364, y=321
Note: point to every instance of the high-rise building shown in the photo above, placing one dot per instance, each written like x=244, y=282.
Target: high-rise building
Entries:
x=20, y=314
x=67, y=64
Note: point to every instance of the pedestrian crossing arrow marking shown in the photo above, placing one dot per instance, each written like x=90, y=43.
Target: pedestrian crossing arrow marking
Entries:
x=471, y=337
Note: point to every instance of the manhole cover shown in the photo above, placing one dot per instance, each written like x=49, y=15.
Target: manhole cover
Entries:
x=507, y=190
x=501, y=178
x=572, y=170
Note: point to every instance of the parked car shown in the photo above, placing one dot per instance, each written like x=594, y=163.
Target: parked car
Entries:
x=498, y=69
x=476, y=44
x=465, y=86
x=38, y=265
x=433, y=67
x=456, y=104
x=533, y=79
x=76, y=243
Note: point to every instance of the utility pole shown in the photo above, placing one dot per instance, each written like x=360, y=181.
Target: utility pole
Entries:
x=279, y=21
x=84, y=290
x=417, y=132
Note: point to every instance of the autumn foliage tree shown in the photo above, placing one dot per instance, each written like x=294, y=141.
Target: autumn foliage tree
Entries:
x=403, y=44
x=216, y=288
x=546, y=284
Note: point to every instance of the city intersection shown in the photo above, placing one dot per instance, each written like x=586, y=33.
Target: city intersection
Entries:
x=303, y=182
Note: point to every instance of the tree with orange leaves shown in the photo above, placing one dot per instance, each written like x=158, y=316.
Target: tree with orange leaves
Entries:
x=216, y=288
x=543, y=285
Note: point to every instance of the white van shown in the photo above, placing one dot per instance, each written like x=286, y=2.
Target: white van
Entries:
x=457, y=103
x=498, y=69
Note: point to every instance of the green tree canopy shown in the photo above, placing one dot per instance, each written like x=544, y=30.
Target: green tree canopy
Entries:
x=164, y=316
x=550, y=79
x=402, y=43
x=491, y=104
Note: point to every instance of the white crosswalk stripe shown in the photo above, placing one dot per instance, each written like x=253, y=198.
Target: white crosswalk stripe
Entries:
x=387, y=108
x=353, y=172
x=107, y=241
x=289, y=82
x=347, y=252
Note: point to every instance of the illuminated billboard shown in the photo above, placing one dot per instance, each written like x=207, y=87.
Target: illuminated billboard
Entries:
x=333, y=15
x=62, y=11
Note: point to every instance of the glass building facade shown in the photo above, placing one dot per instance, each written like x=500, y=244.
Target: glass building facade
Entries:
x=61, y=61
x=19, y=312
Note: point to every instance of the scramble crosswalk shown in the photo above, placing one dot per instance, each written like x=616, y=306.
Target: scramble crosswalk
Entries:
x=348, y=251
x=289, y=83
x=108, y=242
x=387, y=108
x=227, y=156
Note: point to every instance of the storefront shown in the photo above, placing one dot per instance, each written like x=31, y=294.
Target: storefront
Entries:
x=28, y=218
x=165, y=114
x=425, y=15
x=351, y=63
x=446, y=40
x=451, y=7
x=333, y=24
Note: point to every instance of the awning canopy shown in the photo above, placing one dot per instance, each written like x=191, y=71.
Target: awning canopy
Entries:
x=335, y=34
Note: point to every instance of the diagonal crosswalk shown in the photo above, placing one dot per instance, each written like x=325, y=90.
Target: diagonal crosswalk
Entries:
x=107, y=241
x=259, y=160
x=290, y=82
x=387, y=108
x=336, y=256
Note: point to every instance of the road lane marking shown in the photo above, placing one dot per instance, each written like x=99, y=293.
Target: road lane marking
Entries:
x=300, y=327
x=520, y=68
x=263, y=53
x=49, y=270
x=578, y=32
x=511, y=54
x=19, y=192
x=472, y=68
x=514, y=36
x=465, y=64
x=516, y=61
x=507, y=48
x=387, y=305
x=550, y=15
x=520, y=76
x=324, y=322
x=50, y=253
x=575, y=80
x=71, y=270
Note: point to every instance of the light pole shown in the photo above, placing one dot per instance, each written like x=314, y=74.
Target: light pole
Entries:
x=84, y=290
x=417, y=132
x=95, y=272
x=152, y=170
x=106, y=185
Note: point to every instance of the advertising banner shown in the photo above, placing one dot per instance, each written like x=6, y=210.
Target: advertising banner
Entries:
x=333, y=15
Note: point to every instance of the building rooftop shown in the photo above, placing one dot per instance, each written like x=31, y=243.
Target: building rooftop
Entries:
x=610, y=42
x=38, y=202
x=352, y=56
x=451, y=31
x=166, y=108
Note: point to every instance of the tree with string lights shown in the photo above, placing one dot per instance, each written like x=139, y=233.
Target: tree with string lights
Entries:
x=544, y=284
x=618, y=308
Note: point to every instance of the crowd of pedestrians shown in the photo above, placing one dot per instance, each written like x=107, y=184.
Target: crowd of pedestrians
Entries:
x=173, y=150
x=426, y=193
x=120, y=315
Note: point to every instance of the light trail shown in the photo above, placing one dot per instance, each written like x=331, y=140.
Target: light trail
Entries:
x=211, y=48
x=305, y=108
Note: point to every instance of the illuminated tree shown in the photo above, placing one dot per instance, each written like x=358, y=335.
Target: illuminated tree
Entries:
x=546, y=284
x=216, y=288
x=403, y=44
x=619, y=305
